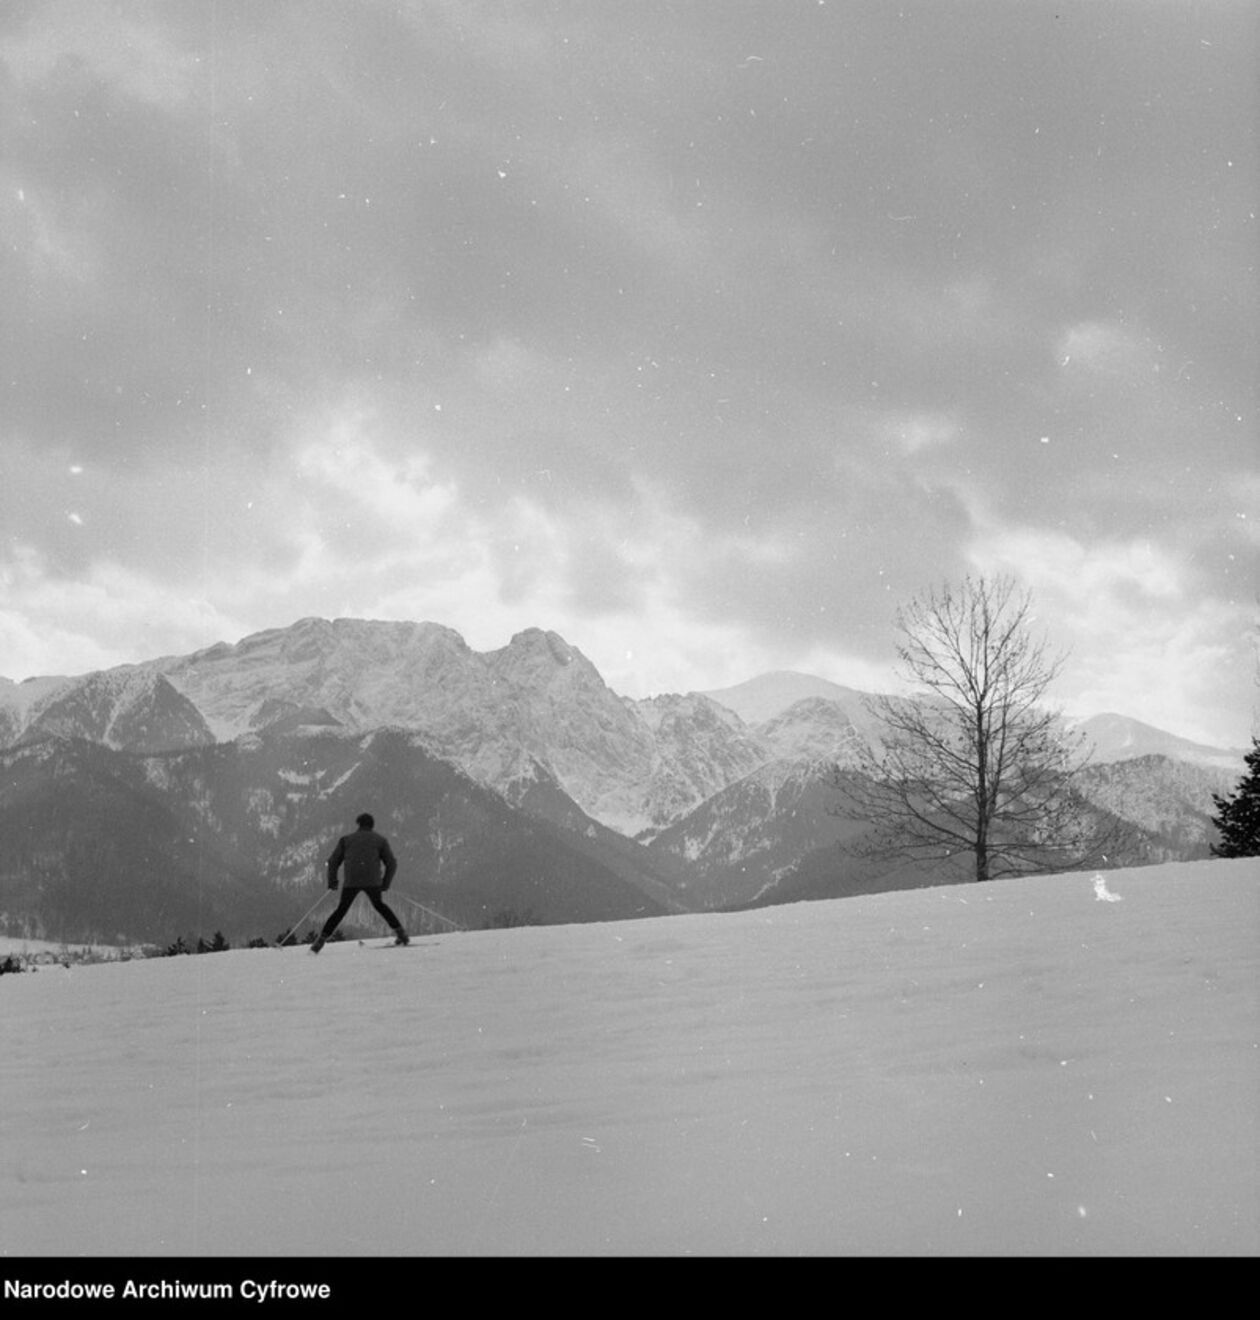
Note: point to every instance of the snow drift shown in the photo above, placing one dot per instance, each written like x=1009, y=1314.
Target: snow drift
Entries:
x=1059, y=1065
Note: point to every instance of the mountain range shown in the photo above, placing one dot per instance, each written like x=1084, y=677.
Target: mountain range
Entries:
x=195, y=793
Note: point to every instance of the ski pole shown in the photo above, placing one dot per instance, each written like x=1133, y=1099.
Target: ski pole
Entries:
x=288, y=934
x=454, y=925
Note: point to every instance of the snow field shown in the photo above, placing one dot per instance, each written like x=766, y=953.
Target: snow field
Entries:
x=1019, y=1068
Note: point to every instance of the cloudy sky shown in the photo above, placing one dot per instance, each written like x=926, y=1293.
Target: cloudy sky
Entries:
x=703, y=332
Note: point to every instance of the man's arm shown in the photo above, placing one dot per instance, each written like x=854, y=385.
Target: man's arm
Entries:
x=391, y=865
x=338, y=856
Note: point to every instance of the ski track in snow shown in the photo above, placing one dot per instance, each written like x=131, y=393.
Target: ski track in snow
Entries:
x=1012, y=1069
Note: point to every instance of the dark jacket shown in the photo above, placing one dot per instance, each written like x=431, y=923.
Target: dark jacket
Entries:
x=364, y=853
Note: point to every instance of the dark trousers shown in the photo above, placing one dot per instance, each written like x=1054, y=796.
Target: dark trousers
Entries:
x=377, y=899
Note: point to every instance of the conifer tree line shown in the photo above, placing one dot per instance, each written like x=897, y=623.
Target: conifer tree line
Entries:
x=1238, y=815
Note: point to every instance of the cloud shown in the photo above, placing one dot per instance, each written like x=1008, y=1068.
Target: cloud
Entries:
x=1142, y=640
x=350, y=488
x=506, y=367
x=137, y=55
x=51, y=250
x=105, y=616
x=917, y=431
x=1105, y=348
x=581, y=317
x=1135, y=569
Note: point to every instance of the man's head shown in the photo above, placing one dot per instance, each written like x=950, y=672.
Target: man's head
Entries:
x=365, y=821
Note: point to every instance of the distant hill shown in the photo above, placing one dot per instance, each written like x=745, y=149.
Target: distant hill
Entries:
x=768, y=695
x=1121, y=738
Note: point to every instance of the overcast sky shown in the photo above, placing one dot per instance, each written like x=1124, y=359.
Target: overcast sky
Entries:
x=703, y=332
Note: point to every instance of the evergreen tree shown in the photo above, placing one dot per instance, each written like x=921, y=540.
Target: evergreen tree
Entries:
x=1238, y=816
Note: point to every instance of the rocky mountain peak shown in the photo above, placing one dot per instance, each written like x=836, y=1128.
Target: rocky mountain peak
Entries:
x=812, y=729
x=534, y=656
x=670, y=708
x=539, y=641
x=129, y=707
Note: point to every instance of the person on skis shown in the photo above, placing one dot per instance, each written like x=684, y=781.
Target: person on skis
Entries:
x=370, y=866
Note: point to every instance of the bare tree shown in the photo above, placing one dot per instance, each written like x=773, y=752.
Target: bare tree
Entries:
x=974, y=762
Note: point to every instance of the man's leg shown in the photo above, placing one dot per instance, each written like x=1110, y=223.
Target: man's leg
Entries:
x=377, y=898
x=347, y=898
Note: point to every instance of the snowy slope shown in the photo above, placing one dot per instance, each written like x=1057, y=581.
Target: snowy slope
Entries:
x=1060, y=1065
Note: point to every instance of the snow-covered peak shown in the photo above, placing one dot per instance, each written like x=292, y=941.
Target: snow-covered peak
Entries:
x=131, y=706
x=535, y=697
x=813, y=729
x=1110, y=737
x=346, y=641
x=361, y=672
x=535, y=657
x=762, y=698
x=660, y=712
x=541, y=642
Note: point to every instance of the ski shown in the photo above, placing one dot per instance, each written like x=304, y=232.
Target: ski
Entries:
x=363, y=944
x=394, y=944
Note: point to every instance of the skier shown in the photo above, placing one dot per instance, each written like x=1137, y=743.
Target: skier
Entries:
x=363, y=854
